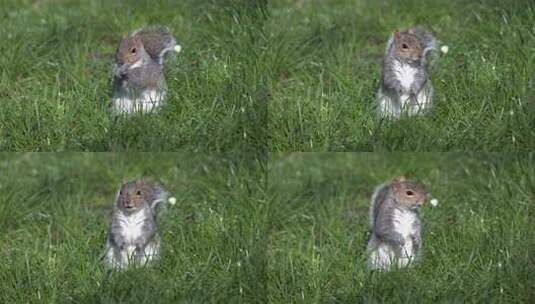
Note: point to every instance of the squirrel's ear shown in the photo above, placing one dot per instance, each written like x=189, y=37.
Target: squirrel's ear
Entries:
x=412, y=30
x=400, y=179
x=397, y=35
x=122, y=181
x=139, y=183
x=396, y=183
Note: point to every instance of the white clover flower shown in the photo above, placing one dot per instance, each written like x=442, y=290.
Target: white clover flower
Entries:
x=444, y=49
x=178, y=48
x=434, y=202
x=172, y=200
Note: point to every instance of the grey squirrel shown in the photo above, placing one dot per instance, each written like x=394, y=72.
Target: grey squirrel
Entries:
x=405, y=84
x=396, y=227
x=138, y=79
x=133, y=235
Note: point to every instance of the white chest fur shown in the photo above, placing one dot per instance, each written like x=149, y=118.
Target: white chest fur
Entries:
x=404, y=223
x=132, y=226
x=405, y=74
x=136, y=64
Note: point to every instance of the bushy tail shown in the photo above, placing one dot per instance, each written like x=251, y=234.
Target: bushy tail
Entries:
x=157, y=41
x=159, y=203
x=429, y=43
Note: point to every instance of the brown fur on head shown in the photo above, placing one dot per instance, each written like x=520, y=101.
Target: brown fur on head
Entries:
x=130, y=50
x=131, y=196
x=409, y=194
x=408, y=47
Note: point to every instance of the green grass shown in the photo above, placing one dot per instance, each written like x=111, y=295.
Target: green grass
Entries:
x=55, y=76
x=257, y=75
x=243, y=231
x=326, y=59
x=55, y=210
x=478, y=242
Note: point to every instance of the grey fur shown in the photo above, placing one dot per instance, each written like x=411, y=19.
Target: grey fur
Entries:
x=147, y=243
x=383, y=212
x=142, y=88
x=149, y=230
x=132, y=82
x=429, y=43
x=420, y=93
x=384, y=236
x=158, y=41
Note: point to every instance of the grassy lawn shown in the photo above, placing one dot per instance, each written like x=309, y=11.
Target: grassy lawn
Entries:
x=326, y=59
x=239, y=235
x=284, y=75
x=478, y=242
x=55, y=210
x=55, y=76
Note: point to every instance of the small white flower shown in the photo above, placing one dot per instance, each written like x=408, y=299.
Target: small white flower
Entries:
x=178, y=48
x=511, y=112
x=434, y=202
x=499, y=265
x=444, y=49
x=172, y=200
x=238, y=264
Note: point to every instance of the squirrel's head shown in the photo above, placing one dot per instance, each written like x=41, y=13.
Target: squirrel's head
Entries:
x=130, y=51
x=131, y=196
x=409, y=194
x=408, y=46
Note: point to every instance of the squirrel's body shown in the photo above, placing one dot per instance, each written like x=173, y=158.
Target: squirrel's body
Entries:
x=137, y=92
x=395, y=223
x=405, y=85
x=133, y=237
x=139, y=83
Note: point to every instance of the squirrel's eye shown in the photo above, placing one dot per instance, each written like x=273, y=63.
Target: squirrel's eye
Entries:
x=409, y=193
x=120, y=192
x=138, y=192
x=405, y=46
x=133, y=50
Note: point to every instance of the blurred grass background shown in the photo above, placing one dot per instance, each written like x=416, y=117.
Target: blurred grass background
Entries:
x=478, y=242
x=55, y=76
x=326, y=59
x=55, y=211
